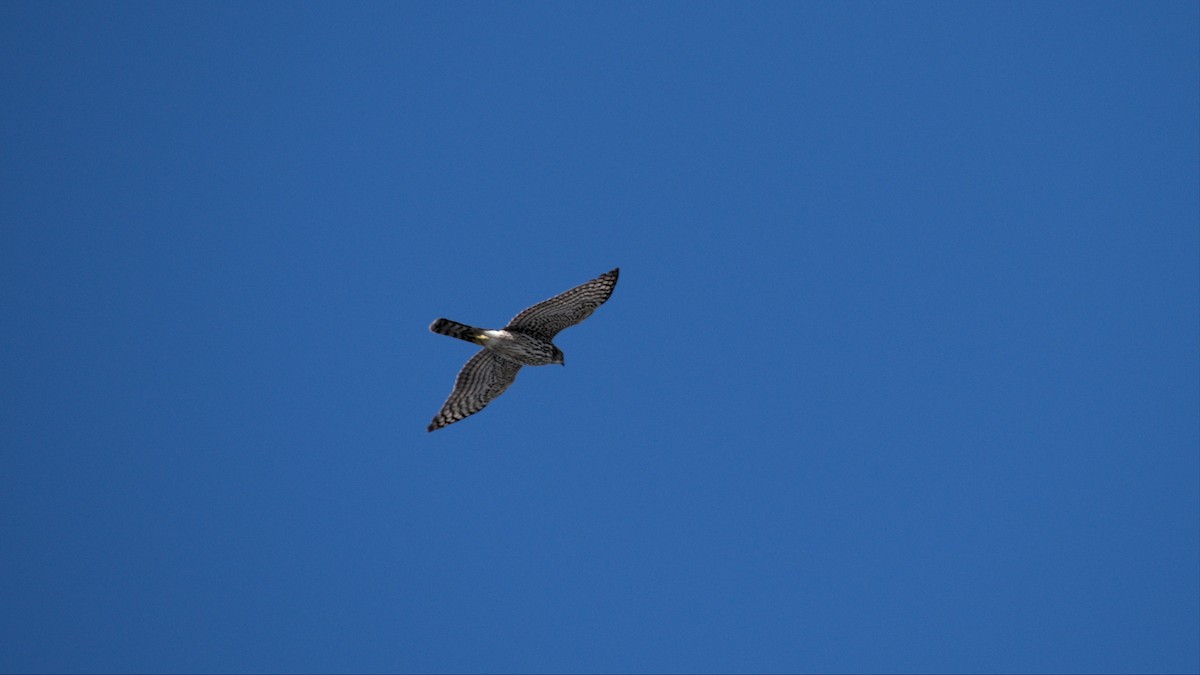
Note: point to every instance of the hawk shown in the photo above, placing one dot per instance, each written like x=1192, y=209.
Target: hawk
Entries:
x=525, y=341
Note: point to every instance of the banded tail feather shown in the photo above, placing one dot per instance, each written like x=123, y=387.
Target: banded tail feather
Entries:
x=458, y=330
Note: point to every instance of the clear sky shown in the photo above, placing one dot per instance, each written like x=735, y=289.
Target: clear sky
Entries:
x=902, y=373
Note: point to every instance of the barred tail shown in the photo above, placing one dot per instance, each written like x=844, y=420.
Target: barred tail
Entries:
x=457, y=330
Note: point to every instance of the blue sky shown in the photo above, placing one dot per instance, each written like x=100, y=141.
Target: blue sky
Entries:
x=902, y=373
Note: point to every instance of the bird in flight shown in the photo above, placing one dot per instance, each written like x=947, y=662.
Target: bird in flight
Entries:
x=525, y=341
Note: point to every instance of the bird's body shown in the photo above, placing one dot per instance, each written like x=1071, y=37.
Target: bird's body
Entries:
x=525, y=341
x=513, y=345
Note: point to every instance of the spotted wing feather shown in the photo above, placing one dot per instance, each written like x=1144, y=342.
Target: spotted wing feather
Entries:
x=485, y=377
x=564, y=310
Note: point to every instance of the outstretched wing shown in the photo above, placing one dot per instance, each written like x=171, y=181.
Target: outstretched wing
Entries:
x=485, y=377
x=546, y=319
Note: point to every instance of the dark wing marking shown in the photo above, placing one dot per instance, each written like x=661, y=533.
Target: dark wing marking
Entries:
x=546, y=319
x=485, y=377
